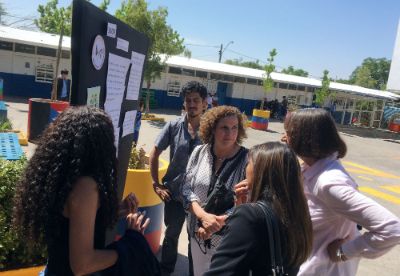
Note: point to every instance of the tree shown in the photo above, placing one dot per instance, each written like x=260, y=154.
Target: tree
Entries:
x=296, y=72
x=372, y=73
x=268, y=82
x=323, y=92
x=163, y=39
x=249, y=64
x=2, y=12
x=52, y=18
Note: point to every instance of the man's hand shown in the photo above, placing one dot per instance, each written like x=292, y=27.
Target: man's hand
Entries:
x=162, y=192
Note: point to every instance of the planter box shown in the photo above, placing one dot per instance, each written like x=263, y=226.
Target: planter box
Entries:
x=41, y=113
x=260, y=119
x=140, y=182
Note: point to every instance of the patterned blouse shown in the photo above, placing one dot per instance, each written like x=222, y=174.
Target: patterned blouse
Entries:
x=198, y=180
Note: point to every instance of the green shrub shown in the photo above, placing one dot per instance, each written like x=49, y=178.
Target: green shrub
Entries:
x=13, y=250
x=5, y=124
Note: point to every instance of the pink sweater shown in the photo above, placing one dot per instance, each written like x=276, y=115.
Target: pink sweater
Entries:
x=335, y=208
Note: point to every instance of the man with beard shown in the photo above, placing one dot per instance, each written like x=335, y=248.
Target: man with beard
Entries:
x=181, y=136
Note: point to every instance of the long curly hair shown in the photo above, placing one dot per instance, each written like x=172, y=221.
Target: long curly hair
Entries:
x=210, y=119
x=277, y=180
x=80, y=142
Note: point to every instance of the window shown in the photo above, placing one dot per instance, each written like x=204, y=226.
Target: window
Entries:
x=283, y=85
x=173, y=88
x=5, y=45
x=201, y=74
x=292, y=86
x=240, y=79
x=276, y=84
x=310, y=89
x=43, y=51
x=251, y=81
x=228, y=78
x=215, y=76
x=175, y=70
x=260, y=82
x=24, y=48
x=44, y=73
x=301, y=88
x=187, y=72
x=65, y=54
x=27, y=65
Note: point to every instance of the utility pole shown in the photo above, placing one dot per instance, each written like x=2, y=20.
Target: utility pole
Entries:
x=221, y=51
x=220, y=54
x=54, y=90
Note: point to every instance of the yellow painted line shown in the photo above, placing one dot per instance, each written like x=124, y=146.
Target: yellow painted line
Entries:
x=394, y=189
x=370, y=171
x=365, y=178
x=379, y=194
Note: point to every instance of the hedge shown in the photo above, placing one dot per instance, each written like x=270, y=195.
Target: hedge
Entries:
x=13, y=250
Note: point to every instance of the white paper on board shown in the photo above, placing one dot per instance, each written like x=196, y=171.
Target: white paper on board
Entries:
x=111, y=30
x=129, y=123
x=93, y=96
x=135, y=76
x=116, y=141
x=122, y=44
x=113, y=109
x=116, y=75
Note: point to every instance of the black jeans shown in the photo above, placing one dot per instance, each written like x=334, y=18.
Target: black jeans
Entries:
x=174, y=217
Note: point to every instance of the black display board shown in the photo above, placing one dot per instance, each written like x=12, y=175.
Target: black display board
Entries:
x=89, y=22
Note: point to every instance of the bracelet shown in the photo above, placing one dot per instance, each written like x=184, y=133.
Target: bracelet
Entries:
x=340, y=254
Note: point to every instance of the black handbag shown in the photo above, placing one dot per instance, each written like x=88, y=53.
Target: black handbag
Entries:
x=274, y=238
x=220, y=199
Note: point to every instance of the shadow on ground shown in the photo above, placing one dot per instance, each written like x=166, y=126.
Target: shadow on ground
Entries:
x=182, y=265
x=157, y=124
x=369, y=133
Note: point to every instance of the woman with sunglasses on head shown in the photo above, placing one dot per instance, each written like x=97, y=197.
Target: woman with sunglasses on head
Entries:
x=273, y=181
x=336, y=206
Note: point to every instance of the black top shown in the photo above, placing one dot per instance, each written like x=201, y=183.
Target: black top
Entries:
x=58, y=250
x=245, y=245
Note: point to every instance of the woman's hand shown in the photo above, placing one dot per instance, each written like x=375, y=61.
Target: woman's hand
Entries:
x=203, y=234
x=128, y=205
x=162, y=192
x=212, y=223
x=241, y=192
x=334, y=248
x=135, y=222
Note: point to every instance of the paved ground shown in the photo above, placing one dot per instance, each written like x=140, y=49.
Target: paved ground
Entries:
x=373, y=160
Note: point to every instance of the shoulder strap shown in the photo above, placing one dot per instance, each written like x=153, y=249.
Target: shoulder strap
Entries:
x=273, y=235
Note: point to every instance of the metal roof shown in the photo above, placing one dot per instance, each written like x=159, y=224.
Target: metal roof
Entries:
x=33, y=38
x=221, y=68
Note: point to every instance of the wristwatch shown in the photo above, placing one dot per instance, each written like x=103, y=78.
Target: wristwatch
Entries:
x=340, y=254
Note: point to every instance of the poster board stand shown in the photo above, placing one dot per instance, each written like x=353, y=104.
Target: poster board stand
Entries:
x=107, y=71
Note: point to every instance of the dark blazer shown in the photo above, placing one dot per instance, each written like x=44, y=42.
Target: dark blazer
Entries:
x=59, y=88
x=245, y=245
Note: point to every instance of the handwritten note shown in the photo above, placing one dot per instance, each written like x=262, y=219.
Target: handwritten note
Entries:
x=111, y=30
x=116, y=76
x=135, y=76
x=93, y=97
x=122, y=44
x=129, y=123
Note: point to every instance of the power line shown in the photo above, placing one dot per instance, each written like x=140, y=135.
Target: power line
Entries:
x=202, y=45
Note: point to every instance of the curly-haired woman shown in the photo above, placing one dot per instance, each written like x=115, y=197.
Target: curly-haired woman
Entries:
x=67, y=196
x=213, y=169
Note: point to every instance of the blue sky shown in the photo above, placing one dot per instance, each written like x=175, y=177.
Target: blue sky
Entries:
x=310, y=34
